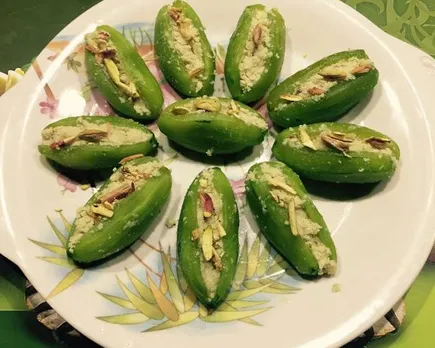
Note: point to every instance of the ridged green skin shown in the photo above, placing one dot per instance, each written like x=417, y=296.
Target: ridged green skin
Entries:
x=170, y=61
x=332, y=165
x=137, y=71
x=235, y=53
x=334, y=104
x=210, y=131
x=94, y=155
x=142, y=205
x=189, y=251
x=271, y=220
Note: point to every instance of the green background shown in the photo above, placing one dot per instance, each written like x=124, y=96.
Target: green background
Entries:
x=27, y=26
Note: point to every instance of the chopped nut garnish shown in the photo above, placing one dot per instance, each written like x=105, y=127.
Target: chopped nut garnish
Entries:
x=101, y=210
x=282, y=185
x=217, y=260
x=234, y=107
x=108, y=205
x=185, y=31
x=179, y=110
x=305, y=138
x=129, y=158
x=362, y=69
x=274, y=196
x=221, y=230
x=61, y=143
x=378, y=143
x=341, y=137
x=207, y=243
x=316, y=91
x=174, y=13
x=256, y=35
x=291, y=97
x=292, y=217
x=195, y=72
x=92, y=135
x=331, y=73
x=120, y=192
x=195, y=234
x=207, y=104
x=336, y=144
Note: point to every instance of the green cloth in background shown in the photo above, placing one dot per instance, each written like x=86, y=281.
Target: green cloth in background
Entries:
x=26, y=26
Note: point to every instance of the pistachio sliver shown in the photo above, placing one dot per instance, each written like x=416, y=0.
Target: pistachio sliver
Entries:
x=282, y=185
x=305, y=138
x=101, y=210
x=292, y=217
x=207, y=243
x=207, y=104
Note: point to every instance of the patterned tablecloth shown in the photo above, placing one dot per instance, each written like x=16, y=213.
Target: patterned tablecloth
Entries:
x=23, y=34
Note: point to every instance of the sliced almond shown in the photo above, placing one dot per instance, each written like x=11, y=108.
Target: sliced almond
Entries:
x=332, y=73
x=195, y=72
x=207, y=104
x=316, y=91
x=101, y=210
x=91, y=48
x=221, y=230
x=195, y=234
x=292, y=217
x=108, y=205
x=305, y=138
x=256, y=35
x=92, y=135
x=62, y=143
x=336, y=144
x=362, y=69
x=174, y=13
x=378, y=143
x=129, y=158
x=207, y=243
x=341, y=137
x=120, y=192
x=217, y=260
x=186, y=31
x=282, y=185
x=291, y=97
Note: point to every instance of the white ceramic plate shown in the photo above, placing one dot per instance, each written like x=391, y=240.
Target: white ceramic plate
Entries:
x=382, y=238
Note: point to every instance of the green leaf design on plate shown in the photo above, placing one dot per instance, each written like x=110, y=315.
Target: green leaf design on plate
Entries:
x=253, y=258
x=183, y=319
x=119, y=301
x=241, y=267
x=57, y=232
x=264, y=260
x=67, y=281
x=140, y=304
x=141, y=288
x=58, y=261
x=125, y=319
x=278, y=289
x=65, y=222
x=245, y=304
x=222, y=317
x=173, y=288
x=241, y=294
x=59, y=250
x=225, y=307
x=165, y=305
